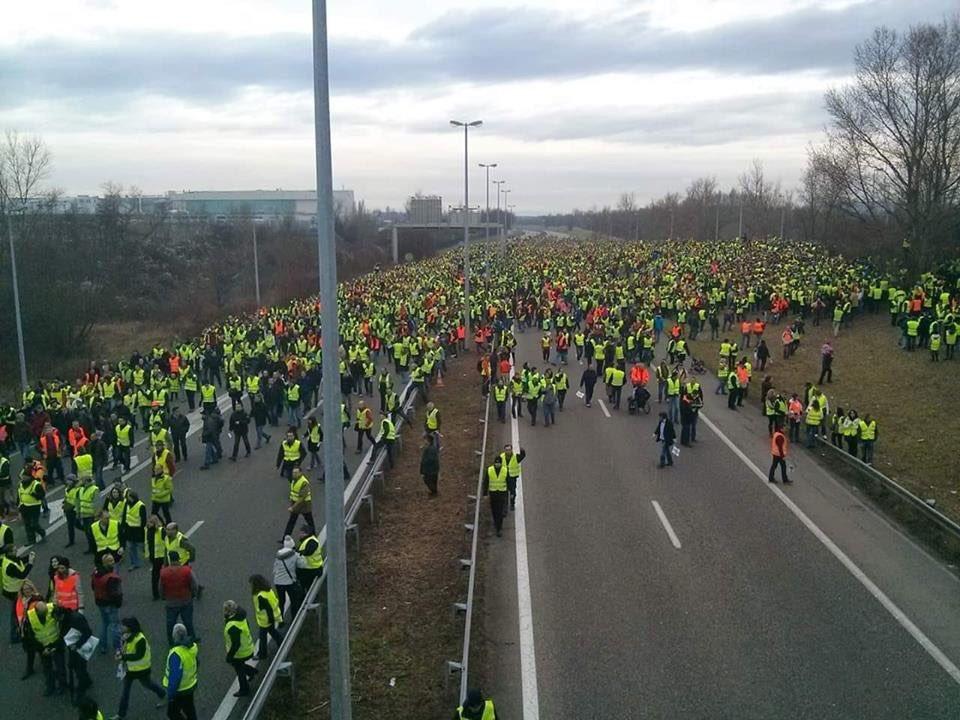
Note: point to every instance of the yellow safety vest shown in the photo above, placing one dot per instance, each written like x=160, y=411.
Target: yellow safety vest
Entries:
x=11, y=584
x=263, y=620
x=868, y=431
x=512, y=464
x=188, y=661
x=46, y=631
x=86, y=500
x=84, y=465
x=496, y=481
x=28, y=495
x=208, y=393
x=388, y=429
x=315, y=560
x=488, y=711
x=123, y=435
x=130, y=647
x=108, y=539
x=291, y=452
x=297, y=486
x=133, y=514
x=245, y=651
x=432, y=419
x=161, y=488
x=175, y=546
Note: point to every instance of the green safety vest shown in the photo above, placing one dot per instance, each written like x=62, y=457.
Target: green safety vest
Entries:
x=188, y=661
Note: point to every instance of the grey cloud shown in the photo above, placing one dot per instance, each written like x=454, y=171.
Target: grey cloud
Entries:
x=492, y=45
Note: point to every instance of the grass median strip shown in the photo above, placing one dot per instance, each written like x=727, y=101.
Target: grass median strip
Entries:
x=407, y=577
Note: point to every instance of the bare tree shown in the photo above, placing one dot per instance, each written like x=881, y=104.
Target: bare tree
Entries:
x=893, y=149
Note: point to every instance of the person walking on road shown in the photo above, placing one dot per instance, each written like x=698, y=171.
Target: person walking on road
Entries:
x=430, y=464
x=778, y=449
x=266, y=606
x=156, y=551
x=290, y=454
x=289, y=592
x=310, y=557
x=665, y=435
x=240, y=427
x=180, y=675
x=495, y=484
x=179, y=427
x=301, y=502
x=42, y=627
x=239, y=645
x=826, y=363
x=587, y=381
x=30, y=494
x=511, y=461
x=108, y=597
x=178, y=588
x=137, y=660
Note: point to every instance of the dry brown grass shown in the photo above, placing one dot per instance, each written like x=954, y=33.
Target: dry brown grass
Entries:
x=910, y=397
x=405, y=581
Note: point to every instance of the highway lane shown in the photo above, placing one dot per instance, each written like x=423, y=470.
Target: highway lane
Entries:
x=751, y=617
x=242, y=507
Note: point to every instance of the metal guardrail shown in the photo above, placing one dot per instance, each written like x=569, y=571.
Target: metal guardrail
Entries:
x=463, y=667
x=354, y=495
x=926, y=510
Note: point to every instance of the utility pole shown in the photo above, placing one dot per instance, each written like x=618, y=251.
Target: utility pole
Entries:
x=670, y=237
x=256, y=263
x=486, y=224
x=338, y=625
x=740, y=222
x=783, y=212
x=716, y=225
x=506, y=219
x=466, y=217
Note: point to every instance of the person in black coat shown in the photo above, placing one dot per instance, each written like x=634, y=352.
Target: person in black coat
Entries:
x=587, y=381
x=240, y=427
x=430, y=464
x=665, y=435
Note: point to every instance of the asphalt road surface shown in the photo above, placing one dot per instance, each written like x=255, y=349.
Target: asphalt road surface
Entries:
x=620, y=590
x=235, y=514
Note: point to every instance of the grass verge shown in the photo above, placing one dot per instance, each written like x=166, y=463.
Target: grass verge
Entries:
x=403, y=584
x=905, y=392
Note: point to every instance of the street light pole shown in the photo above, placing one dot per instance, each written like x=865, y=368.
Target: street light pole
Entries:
x=256, y=263
x=466, y=216
x=740, y=222
x=498, y=183
x=24, y=383
x=338, y=626
x=716, y=225
x=486, y=225
x=506, y=216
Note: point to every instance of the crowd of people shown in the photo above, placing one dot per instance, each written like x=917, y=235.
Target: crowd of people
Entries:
x=604, y=306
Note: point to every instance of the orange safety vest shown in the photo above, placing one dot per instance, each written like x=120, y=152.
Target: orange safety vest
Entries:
x=56, y=442
x=76, y=438
x=174, y=364
x=639, y=375
x=65, y=591
x=758, y=328
x=745, y=328
x=776, y=451
x=742, y=375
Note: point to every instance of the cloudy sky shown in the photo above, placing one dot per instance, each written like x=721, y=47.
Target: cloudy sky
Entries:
x=580, y=101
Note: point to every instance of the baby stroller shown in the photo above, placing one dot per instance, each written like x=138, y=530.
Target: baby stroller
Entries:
x=639, y=401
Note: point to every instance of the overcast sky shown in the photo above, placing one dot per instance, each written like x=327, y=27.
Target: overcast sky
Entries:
x=580, y=101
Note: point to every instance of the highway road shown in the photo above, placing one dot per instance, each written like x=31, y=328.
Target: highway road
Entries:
x=620, y=590
x=235, y=513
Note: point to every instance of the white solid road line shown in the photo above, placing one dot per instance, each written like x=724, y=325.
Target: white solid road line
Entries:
x=528, y=658
x=666, y=524
x=926, y=643
x=603, y=407
x=193, y=528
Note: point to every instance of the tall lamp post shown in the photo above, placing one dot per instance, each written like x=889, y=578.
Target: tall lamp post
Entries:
x=510, y=209
x=506, y=217
x=486, y=225
x=498, y=183
x=338, y=626
x=466, y=217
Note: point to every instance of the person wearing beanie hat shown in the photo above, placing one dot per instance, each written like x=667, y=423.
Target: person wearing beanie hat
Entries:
x=475, y=707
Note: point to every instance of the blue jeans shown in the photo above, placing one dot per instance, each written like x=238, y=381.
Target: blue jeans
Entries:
x=673, y=408
x=665, y=457
x=812, y=435
x=133, y=549
x=185, y=615
x=110, y=622
x=294, y=416
x=209, y=454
